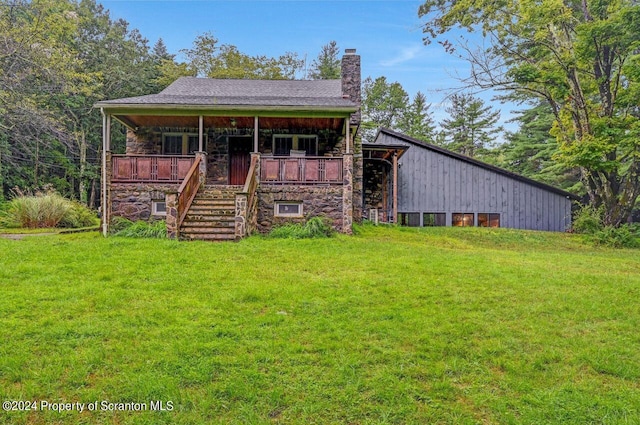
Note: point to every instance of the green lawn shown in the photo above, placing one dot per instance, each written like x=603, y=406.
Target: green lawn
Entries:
x=393, y=325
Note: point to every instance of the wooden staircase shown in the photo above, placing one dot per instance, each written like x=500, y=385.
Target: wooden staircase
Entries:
x=212, y=215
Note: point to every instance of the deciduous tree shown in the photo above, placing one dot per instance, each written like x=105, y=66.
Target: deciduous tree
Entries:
x=581, y=57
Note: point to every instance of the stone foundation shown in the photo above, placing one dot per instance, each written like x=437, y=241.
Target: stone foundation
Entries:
x=133, y=201
x=316, y=201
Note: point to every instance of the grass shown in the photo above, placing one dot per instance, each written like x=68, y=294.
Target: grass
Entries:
x=390, y=326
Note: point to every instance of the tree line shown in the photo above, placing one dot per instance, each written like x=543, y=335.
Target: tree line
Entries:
x=573, y=65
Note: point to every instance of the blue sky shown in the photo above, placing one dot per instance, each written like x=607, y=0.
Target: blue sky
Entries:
x=386, y=34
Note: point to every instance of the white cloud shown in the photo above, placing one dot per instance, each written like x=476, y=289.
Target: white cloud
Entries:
x=405, y=54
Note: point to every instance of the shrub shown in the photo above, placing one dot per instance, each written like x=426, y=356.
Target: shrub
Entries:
x=36, y=211
x=315, y=227
x=625, y=236
x=588, y=220
x=78, y=216
x=138, y=229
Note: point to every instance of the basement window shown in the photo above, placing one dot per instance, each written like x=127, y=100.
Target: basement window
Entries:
x=288, y=209
x=462, y=219
x=434, y=219
x=488, y=220
x=409, y=219
x=158, y=208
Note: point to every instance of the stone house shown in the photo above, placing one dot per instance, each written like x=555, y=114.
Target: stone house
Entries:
x=220, y=159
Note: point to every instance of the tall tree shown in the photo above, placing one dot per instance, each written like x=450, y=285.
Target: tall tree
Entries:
x=581, y=57
x=532, y=151
x=327, y=65
x=471, y=127
x=383, y=105
x=206, y=58
x=417, y=119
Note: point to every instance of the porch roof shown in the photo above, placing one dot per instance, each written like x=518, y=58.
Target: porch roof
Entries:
x=214, y=94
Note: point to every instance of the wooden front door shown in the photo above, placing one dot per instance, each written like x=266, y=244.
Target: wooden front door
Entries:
x=239, y=159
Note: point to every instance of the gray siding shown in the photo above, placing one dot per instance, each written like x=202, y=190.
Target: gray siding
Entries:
x=432, y=182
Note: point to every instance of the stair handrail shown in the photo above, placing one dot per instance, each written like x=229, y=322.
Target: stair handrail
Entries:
x=187, y=191
x=246, y=201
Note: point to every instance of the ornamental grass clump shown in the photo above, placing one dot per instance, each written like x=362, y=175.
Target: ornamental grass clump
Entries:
x=37, y=211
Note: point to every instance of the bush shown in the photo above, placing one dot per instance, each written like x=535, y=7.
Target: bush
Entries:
x=588, y=221
x=138, y=229
x=315, y=227
x=44, y=210
x=78, y=216
x=38, y=211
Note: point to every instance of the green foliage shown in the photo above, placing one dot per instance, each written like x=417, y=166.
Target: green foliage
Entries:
x=208, y=58
x=590, y=222
x=578, y=57
x=315, y=227
x=78, y=216
x=531, y=151
x=37, y=211
x=383, y=105
x=417, y=120
x=45, y=210
x=120, y=226
x=471, y=128
x=327, y=65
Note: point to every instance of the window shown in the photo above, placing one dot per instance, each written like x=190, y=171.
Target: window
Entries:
x=283, y=144
x=434, y=219
x=181, y=143
x=488, y=220
x=288, y=209
x=409, y=219
x=462, y=219
x=158, y=208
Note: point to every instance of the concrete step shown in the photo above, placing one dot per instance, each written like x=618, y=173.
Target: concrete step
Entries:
x=214, y=203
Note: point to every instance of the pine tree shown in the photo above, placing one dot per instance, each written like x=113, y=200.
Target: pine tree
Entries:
x=417, y=120
x=327, y=64
x=472, y=126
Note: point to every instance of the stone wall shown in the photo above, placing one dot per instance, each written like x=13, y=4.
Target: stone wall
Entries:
x=143, y=142
x=133, y=201
x=217, y=159
x=376, y=174
x=317, y=201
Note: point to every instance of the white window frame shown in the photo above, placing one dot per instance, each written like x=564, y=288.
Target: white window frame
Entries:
x=185, y=141
x=298, y=214
x=295, y=139
x=154, y=208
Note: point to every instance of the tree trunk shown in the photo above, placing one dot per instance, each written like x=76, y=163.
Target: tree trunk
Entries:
x=92, y=197
x=82, y=184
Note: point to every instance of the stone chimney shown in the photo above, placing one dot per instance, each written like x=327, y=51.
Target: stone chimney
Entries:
x=351, y=80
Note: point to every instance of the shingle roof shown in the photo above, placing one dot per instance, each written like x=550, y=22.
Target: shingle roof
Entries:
x=212, y=92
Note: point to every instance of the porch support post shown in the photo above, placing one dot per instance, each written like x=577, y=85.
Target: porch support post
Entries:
x=106, y=146
x=395, y=186
x=347, y=134
x=200, y=131
x=255, y=134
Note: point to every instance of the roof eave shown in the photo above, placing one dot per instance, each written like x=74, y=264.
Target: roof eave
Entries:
x=141, y=108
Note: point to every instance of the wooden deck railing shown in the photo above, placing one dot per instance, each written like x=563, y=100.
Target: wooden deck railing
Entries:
x=307, y=170
x=187, y=190
x=247, y=202
x=150, y=168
